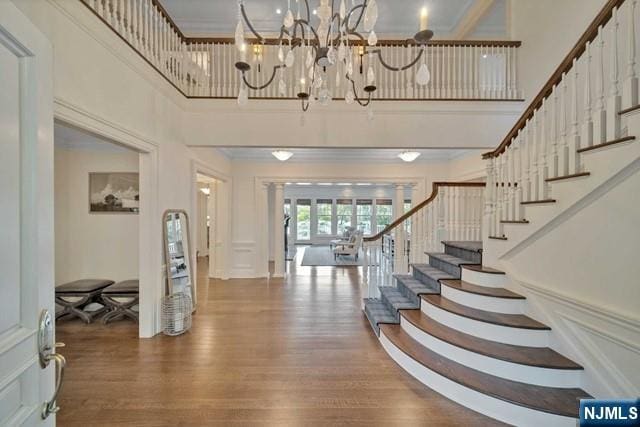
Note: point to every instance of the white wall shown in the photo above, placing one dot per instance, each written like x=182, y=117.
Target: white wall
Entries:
x=548, y=30
x=91, y=245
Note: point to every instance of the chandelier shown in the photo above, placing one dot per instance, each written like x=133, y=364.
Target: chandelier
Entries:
x=332, y=43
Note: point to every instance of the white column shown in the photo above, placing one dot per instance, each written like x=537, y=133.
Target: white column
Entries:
x=278, y=230
x=399, y=234
x=213, y=235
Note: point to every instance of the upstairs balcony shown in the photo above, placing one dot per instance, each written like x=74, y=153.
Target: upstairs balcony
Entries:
x=473, y=70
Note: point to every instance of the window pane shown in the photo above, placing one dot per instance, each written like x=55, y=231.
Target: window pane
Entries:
x=364, y=211
x=324, y=213
x=344, y=213
x=303, y=220
x=384, y=214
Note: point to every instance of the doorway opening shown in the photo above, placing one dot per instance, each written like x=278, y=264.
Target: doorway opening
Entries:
x=97, y=196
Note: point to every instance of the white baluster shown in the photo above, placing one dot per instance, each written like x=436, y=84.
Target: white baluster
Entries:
x=574, y=141
x=535, y=158
x=518, y=146
x=563, y=160
x=553, y=156
x=630, y=87
x=543, y=167
x=614, y=103
x=586, y=139
x=600, y=116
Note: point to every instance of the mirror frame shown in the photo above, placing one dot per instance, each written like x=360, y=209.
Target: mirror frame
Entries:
x=167, y=262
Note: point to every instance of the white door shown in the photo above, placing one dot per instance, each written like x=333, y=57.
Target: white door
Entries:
x=26, y=217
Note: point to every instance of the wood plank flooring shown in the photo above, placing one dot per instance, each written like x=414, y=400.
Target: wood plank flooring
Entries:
x=278, y=352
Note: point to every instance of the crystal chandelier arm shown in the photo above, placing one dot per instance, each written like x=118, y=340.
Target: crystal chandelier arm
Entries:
x=355, y=93
x=362, y=8
x=273, y=76
x=391, y=68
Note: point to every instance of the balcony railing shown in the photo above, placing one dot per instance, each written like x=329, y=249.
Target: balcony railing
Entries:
x=204, y=67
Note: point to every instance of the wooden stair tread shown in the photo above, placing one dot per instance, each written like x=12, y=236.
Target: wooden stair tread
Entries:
x=606, y=144
x=498, y=237
x=509, y=320
x=541, y=357
x=559, y=401
x=482, y=269
x=628, y=110
x=463, y=286
x=573, y=175
x=538, y=202
x=515, y=221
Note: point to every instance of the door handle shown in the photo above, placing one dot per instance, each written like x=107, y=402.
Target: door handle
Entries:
x=46, y=352
x=51, y=407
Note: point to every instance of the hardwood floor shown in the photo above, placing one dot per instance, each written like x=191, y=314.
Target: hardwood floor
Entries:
x=294, y=352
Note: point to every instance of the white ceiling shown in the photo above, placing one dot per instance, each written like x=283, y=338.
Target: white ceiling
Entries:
x=397, y=18
x=343, y=155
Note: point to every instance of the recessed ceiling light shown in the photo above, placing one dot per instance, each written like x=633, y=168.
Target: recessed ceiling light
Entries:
x=484, y=55
x=363, y=183
x=303, y=183
x=315, y=12
x=288, y=183
x=278, y=11
x=325, y=183
x=409, y=156
x=344, y=183
x=282, y=155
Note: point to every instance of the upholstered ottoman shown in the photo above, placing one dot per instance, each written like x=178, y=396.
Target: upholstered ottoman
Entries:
x=74, y=296
x=120, y=299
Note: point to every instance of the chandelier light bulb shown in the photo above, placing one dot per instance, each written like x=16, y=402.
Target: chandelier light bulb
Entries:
x=424, y=16
x=282, y=155
x=282, y=87
x=409, y=156
x=423, y=76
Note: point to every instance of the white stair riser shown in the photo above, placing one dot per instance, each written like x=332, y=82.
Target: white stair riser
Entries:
x=484, y=279
x=500, y=368
x=482, y=302
x=482, y=403
x=487, y=331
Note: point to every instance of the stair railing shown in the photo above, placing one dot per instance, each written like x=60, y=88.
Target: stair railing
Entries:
x=453, y=211
x=578, y=108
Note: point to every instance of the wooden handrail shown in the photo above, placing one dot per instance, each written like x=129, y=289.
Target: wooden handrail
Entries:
x=434, y=194
x=589, y=35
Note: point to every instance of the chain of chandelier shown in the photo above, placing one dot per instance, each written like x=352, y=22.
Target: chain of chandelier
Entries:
x=329, y=44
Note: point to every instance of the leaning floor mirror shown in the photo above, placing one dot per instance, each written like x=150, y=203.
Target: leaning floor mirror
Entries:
x=177, y=254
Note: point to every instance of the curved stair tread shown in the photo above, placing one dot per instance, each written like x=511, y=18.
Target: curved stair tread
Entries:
x=415, y=285
x=470, y=245
x=559, y=401
x=510, y=320
x=432, y=272
x=463, y=286
x=541, y=357
x=396, y=298
x=482, y=269
x=450, y=259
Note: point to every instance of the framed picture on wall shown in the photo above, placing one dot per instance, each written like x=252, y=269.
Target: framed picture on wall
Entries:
x=114, y=192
